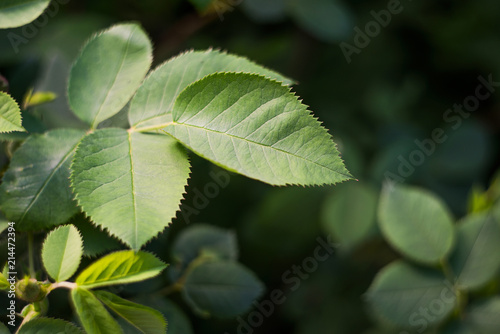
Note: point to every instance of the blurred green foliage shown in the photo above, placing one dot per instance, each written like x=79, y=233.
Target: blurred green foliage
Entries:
x=395, y=92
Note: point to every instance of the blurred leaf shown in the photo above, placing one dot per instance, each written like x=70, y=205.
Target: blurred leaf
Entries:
x=35, y=192
x=223, y=289
x=195, y=240
x=152, y=106
x=471, y=262
x=404, y=294
x=328, y=20
x=10, y=114
x=95, y=240
x=5, y=330
x=120, y=268
x=254, y=126
x=130, y=183
x=349, y=213
x=48, y=326
x=178, y=322
x=16, y=13
x=146, y=319
x=265, y=11
x=108, y=71
x=62, y=252
x=479, y=318
x=416, y=223
x=94, y=318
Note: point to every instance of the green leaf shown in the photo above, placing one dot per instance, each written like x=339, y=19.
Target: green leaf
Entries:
x=130, y=183
x=146, y=319
x=110, y=68
x=472, y=261
x=404, y=294
x=39, y=98
x=35, y=192
x=4, y=284
x=4, y=329
x=328, y=20
x=62, y=252
x=349, y=213
x=479, y=318
x=16, y=13
x=254, y=126
x=120, y=268
x=178, y=322
x=10, y=114
x=49, y=326
x=94, y=318
x=223, y=288
x=416, y=223
x=151, y=107
x=95, y=240
x=200, y=238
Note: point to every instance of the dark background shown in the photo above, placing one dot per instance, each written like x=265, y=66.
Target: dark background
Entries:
x=395, y=91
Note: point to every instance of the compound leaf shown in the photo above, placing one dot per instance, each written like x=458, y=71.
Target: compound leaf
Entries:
x=222, y=288
x=62, y=252
x=108, y=71
x=35, y=192
x=146, y=319
x=120, y=268
x=254, y=126
x=130, y=183
x=416, y=223
x=151, y=107
x=10, y=114
x=16, y=13
x=93, y=316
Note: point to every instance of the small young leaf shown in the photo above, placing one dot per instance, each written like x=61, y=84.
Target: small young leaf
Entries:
x=349, y=213
x=49, y=326
x=416, y=223
x=120, y=268
x=94, y=318
x=146, y=319
x=400, y=292
x=151, y=107
x=35, y=192
x=110, y=68
x=16, y=13
x=130, y=183
x=4, y=284
x=62, y=252
x=472, y=261
x=39, y=98
x=254, y=126
x=223, y=288
x=10, y=114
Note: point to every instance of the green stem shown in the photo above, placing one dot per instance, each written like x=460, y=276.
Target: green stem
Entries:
x=31, y=255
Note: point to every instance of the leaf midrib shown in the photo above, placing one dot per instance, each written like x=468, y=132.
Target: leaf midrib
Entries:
x=262, y=145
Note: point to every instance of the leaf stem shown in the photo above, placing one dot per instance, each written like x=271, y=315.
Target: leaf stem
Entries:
x=67, y=285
